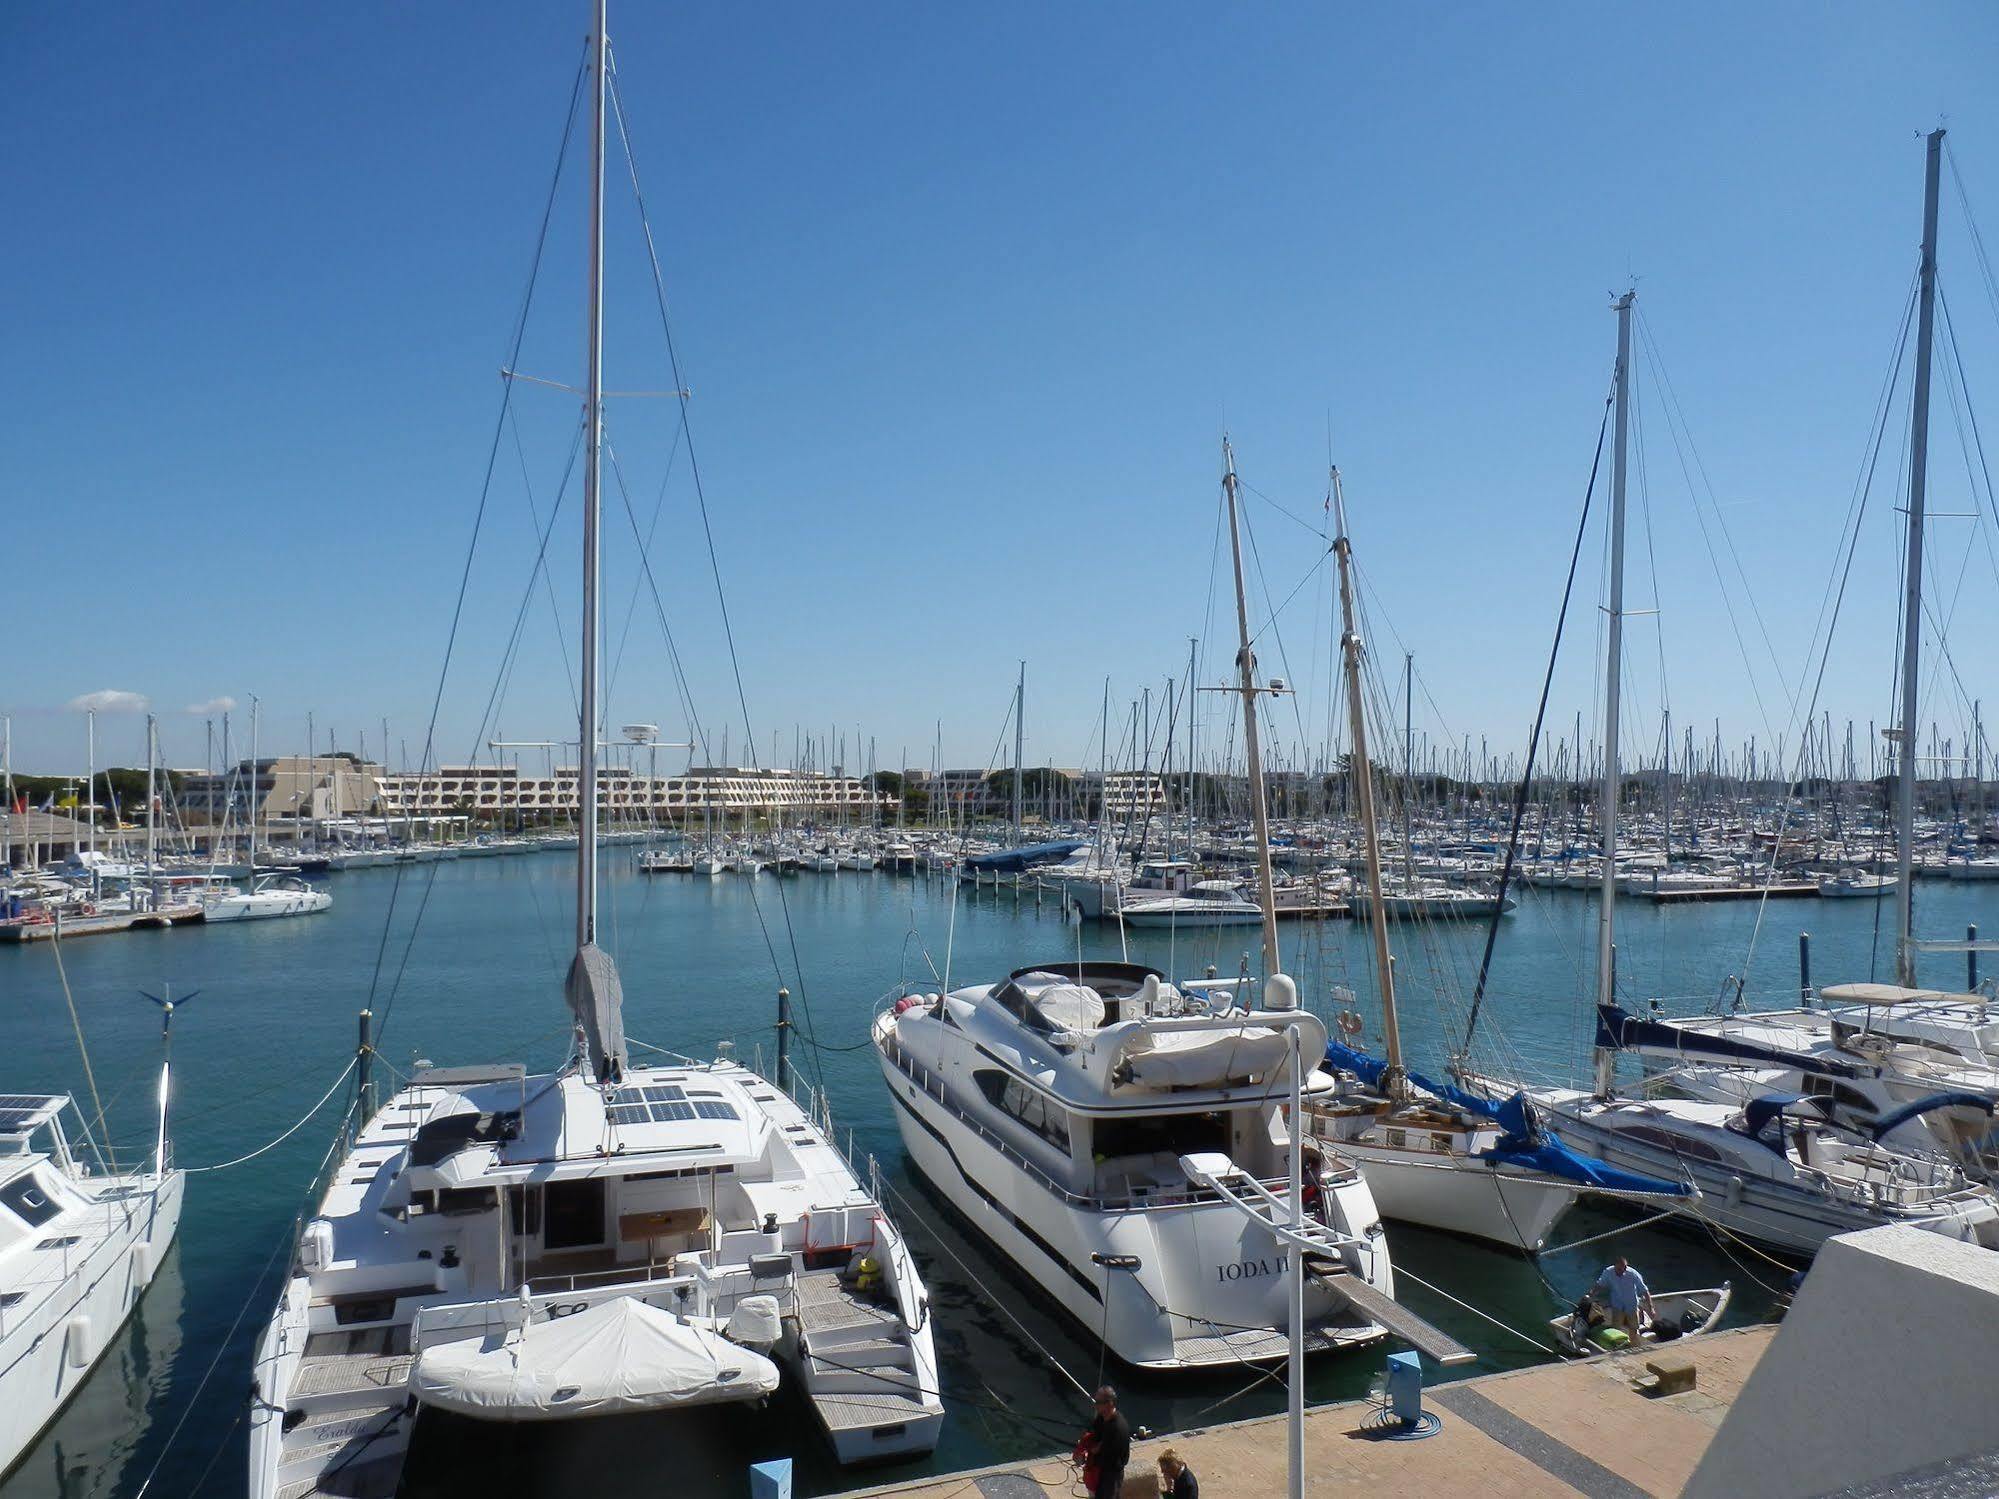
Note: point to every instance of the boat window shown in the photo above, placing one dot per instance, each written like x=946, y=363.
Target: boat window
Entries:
x=24, y=1197
x=1847, y=1097
x=1018, y=1101
x=574, y=1214
x=466, y=1199
x=1167, y=1134
x=1660, y=1139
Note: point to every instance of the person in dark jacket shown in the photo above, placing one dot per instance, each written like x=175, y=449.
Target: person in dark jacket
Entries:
x=1109, y=1442
x=1176, y=1479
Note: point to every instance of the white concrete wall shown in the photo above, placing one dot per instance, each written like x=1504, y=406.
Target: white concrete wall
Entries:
x=1884, y=1364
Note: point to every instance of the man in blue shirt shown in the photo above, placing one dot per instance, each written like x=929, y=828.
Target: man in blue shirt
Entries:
x=1624, y=1292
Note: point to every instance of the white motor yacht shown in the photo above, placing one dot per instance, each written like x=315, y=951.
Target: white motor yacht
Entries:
x=1205, y=903
x=1432, y=900
x=277, y=894
x=1059, y=1112
x=1856, y=884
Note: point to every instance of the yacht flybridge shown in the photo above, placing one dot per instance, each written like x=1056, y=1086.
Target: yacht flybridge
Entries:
x=1068, y=1112
x=601, y=1239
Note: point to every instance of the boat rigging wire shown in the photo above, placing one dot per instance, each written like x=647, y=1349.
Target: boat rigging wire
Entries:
x=797, y=979
x=465, y=572
x=1524, y=789
x=76, y=1026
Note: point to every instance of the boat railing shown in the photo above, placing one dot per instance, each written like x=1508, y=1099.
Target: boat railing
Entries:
x=549, y=1299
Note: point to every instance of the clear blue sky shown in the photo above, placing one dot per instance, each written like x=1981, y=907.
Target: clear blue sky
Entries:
x=966, y=297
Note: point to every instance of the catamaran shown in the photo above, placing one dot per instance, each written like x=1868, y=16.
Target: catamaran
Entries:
x=608, y=1238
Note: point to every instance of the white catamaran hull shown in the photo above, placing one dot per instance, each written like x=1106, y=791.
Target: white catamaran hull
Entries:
x=46, y=1355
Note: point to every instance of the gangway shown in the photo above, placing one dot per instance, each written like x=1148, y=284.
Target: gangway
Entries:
x=1324, y=1255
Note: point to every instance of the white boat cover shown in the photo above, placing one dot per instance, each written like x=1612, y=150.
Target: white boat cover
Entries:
x=1198, y=1059
x=1070, y=1007
x=1890, y=994
x=620, y=1356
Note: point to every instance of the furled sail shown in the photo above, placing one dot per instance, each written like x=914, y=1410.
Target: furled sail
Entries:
x=598, y=1000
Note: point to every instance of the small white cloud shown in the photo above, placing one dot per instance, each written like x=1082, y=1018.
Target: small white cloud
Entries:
x=109, y=701
x=213, y=706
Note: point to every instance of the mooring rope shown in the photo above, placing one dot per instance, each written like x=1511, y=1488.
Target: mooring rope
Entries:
x=225, y=1165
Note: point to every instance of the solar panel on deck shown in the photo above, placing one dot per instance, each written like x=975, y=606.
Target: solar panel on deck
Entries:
x=663, y=1095
x=715, y=1110
x=672, y=1113
x=628, y=1113
x=26, y=1100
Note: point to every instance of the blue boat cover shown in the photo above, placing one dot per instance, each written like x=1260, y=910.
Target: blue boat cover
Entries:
x=1523, y=1140
x=1013, y=860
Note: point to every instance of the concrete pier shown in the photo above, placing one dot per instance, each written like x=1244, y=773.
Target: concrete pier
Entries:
x=1557, y=1430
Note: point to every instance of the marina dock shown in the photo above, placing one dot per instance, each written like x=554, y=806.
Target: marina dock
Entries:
x=1786, y=890
x=90, y=926
x=1557, y=1430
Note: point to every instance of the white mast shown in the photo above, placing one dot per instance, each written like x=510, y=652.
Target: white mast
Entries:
x=1252, y=749
x=1279, y=993
x=593, y=420
x=1912, y=606
x=1360, y=779
x=90, y=784
x=1606, y=930
x=152, y=815
x=593, y=990
x=256, y=785
x=1019, y=748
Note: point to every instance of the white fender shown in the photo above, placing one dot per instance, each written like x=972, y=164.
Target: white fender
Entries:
x=77, y=1343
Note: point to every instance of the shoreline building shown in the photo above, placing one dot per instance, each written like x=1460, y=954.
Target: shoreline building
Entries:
x=288, y=790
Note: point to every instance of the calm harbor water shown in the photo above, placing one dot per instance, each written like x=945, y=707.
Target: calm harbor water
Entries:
x=272, y=1023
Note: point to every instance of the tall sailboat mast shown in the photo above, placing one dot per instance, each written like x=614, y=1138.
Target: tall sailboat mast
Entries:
x=1912, y=606
x=1252, y=748
x=1360, y=783
x=593, y=421
x=1606, y=916
x=593, y=989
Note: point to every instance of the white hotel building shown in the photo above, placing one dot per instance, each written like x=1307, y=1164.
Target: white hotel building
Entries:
x=723, y=793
